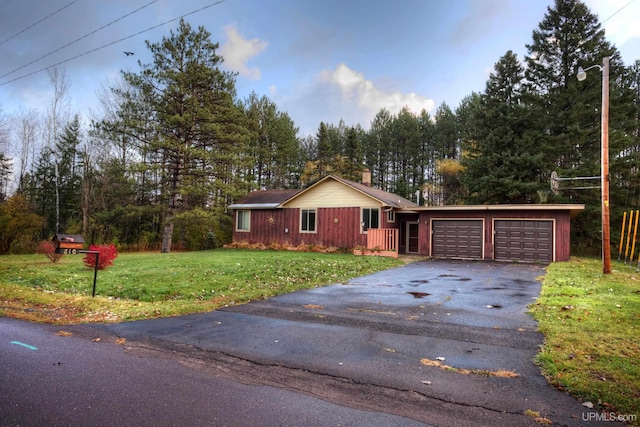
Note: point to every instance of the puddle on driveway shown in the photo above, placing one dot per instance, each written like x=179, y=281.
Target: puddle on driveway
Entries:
x=455, y=277
x=419, y=294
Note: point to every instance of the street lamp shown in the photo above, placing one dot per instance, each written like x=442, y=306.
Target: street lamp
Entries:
x=604, y=150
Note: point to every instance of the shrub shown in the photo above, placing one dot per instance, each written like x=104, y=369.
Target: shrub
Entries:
x=46, y=247
x=107, y=253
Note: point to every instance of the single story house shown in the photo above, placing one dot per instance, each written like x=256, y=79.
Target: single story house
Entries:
x=335, y=212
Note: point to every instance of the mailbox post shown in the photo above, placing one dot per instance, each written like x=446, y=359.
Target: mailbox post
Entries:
x=72, y=244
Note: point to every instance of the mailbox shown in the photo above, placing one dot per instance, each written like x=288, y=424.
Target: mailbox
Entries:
x=68, y=243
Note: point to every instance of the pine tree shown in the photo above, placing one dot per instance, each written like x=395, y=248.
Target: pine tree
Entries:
x=377, y=149
x=69, y=174
x=501, y=165
x=447, y=147
x=273, y=144
x=354, y=153
x=324, y=151
x=565, y=113
x=199, y=132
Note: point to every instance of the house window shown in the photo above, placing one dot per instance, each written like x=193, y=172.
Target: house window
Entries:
x=391, y=216
x=243, y=220
x=370, y=218
x=308, y=220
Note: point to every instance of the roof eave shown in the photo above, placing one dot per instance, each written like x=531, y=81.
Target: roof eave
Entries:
x=254, y=206
x=574, y=209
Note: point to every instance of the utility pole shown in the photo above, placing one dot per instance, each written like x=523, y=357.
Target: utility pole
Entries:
x=606, y=239
x=604, y=152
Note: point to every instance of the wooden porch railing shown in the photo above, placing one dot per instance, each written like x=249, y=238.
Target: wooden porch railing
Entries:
x=383, y=239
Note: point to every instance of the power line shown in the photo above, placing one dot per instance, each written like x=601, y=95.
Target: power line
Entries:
x=5, y=3
x=112, y=43
x=78, y=39
x=35, y=23
x=617, y=11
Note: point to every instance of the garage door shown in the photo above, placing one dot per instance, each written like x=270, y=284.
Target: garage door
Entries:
x=457, y=239
x=525, y=240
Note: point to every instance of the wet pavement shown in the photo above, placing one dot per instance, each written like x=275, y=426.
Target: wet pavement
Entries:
x=372, y=344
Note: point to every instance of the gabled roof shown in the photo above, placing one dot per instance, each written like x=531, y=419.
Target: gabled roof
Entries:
x=384, y=197
x=271, y=199
x=265, y=199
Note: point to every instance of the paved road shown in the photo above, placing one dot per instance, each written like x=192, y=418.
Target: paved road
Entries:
x=49, y=378
x=364, y=344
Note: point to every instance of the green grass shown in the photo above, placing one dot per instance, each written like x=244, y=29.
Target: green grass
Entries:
x=143, y=285
x=591, y=321
x=591, y=324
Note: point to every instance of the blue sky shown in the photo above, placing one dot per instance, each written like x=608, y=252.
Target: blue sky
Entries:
x=317, y=60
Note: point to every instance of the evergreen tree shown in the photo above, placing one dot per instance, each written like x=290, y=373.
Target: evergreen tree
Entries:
x=376, y=150
x=337, y=137
x=324, y=152
x=40, y=190
x=272, y=144
x=446, y=147
x=69, y=176
x=405, y=153
x=427, y=163
x=199, y=132
x=445, y=133
x=354, y=153
x=501, y=165
x=566, y=113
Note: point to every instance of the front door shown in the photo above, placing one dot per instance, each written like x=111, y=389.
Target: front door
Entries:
x=413, y=239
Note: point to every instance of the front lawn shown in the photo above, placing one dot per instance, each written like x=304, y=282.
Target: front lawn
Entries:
x=591, y=324
x=146, y=285
x=590, y=320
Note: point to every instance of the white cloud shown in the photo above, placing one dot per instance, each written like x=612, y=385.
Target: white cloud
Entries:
x=237, y=51
x=364, y=94
x=343, y=94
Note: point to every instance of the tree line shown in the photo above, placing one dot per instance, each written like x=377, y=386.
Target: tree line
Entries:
x=174, y=145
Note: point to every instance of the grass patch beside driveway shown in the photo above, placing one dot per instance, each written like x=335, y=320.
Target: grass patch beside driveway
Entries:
x=148, y=285
x=591, y=324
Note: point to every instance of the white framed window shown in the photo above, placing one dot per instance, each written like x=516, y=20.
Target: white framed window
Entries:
x=243, y=220
x=391, y=216
x=370, y=218
x=307, y=220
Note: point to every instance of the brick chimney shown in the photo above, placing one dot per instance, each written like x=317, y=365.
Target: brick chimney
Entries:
x=366, y=177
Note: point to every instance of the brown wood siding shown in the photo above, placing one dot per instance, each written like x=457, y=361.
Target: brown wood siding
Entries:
x=340, y=228
x=561, y=239
x=268, y=226
x=337, y=227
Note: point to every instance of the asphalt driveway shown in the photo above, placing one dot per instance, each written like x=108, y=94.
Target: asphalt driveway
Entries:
x=372, y=344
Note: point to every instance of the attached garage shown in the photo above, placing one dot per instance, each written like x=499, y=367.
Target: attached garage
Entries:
x=457, y=238
x=523, y=240
x=522, y=233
